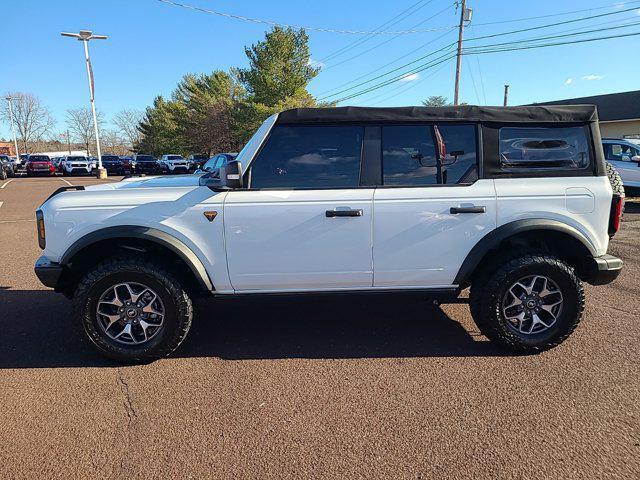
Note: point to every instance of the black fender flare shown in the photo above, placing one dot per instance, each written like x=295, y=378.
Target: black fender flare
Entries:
x=491, y=240
x=147, y=233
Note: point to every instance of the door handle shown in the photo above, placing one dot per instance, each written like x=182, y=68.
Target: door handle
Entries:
x=344, y=213
x=470, y=209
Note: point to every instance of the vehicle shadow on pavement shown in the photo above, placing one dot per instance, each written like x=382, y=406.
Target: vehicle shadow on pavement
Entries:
x=38, y=330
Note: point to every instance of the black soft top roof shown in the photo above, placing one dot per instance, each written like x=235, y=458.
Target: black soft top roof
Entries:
x=469, y=113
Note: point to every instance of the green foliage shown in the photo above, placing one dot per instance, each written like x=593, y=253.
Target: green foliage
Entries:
x=436, y=101
x=220, y=111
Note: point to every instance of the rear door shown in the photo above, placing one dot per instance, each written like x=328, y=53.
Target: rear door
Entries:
x=304, y=223
x=431, y=208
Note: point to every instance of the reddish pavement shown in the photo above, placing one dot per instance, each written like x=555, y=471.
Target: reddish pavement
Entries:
x=345, y=387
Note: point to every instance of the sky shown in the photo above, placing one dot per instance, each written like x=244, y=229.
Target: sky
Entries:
x=151, y=45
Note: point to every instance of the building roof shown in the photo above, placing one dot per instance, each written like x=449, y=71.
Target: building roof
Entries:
x=470, y=113
x=611, y=107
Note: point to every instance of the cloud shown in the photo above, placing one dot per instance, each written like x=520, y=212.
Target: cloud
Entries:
x=592, y=77
x=411, y=77
x=568, y=81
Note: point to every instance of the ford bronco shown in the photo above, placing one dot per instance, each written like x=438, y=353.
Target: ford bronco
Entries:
x=513, y=202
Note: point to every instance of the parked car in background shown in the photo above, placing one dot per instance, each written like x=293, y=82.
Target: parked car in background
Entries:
x=57, y=163
x=39, y=165
x=173, y=164
x=21, y=161
x=75, y=165
x=146, y=164
x=196, y=160
x=624, y=155
x=112, y=164
x=128, y=165
x=216, y=162
x=6, y=167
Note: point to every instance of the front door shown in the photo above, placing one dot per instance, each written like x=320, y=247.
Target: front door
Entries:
x=304, y=222
x=431, y=209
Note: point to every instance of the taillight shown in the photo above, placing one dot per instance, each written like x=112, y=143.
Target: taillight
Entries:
x=41, y=233
x=615, y=216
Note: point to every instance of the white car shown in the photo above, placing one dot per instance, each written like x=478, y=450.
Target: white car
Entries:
x=513, y=202
x=174, y=164
x=75, y=165
x=624, y=155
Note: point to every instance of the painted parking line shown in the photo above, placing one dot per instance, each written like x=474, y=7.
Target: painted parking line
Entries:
x=1, y=203
x=65, y=181
x=6, y=183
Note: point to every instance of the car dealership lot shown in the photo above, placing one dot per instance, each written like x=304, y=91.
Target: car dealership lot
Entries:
x=339, y=387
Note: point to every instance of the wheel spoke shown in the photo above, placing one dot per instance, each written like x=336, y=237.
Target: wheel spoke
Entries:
x=126, y=331
x=516, y=300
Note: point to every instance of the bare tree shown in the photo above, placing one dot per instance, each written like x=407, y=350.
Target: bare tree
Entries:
x=31, y=118
x=127, y=122
x=80, y=123
x=113, y=142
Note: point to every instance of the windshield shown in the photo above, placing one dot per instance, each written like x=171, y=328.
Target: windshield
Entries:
x=252, y=146
x=146, y=158
x=175, y=157
x=110, y=158
x=38, y=158
x=77, y=159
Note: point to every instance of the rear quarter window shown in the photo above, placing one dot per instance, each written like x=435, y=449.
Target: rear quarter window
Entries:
x=544, y=149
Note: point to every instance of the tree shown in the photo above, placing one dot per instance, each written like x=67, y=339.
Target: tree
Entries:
x=31, y=118
x=436, y=101
x=127, y=122
x=159, y=128
x=80, y=124
x=279, y=67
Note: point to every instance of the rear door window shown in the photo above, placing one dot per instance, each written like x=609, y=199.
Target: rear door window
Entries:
x=423, y=155
x=526, y=149
x=301, y=156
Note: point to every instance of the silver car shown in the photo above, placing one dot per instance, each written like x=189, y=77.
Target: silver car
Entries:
x=625, y=157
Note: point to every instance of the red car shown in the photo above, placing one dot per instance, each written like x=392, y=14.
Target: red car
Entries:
x=40, y=165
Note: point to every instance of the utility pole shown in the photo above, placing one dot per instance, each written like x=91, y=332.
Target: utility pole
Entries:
x=68, y=142
x=463, y=17
x=9, y=99
x=506, y=95
x=84, y=36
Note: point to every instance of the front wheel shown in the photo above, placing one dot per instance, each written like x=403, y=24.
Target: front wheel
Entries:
x=132, y=309
x=529, y=304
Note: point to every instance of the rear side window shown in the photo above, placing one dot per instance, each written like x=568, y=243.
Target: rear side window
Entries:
x=309, y=157
x=526, y=149
x=422, y=155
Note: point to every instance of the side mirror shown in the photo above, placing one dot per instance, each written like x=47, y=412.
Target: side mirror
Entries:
x=231, y=175
x=636, y=159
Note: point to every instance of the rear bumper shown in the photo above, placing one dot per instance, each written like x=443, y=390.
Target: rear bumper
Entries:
x=604, y=269
x=48, y=272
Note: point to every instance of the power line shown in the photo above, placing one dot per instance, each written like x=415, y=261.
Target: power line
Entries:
x=298, y=27
x=473, y=80
x=514, y=20
x=538, y=27
x=388, y=23
x=529, y=47
x=387, y=40
x=478, y=51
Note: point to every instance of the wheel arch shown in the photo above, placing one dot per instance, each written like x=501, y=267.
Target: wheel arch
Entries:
x=131, y=236
x=556, y=235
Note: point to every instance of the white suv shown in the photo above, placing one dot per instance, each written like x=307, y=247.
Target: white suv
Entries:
x=73, y=165
x=174, y=164
x=513, y=202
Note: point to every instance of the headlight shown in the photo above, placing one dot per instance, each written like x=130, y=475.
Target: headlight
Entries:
x=41, y=233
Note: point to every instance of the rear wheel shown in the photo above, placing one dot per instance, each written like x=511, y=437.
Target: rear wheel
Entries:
x=132, y=309
x=529, y=304
x=3, y=173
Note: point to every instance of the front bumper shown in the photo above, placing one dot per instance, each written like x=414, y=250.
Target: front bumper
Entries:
x=604, y=269
x=49, y=273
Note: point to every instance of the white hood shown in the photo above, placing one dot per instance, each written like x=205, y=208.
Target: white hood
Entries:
x=151, y=182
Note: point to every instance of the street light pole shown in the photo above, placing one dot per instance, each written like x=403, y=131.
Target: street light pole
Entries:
x=9, y=99
x=84, y=36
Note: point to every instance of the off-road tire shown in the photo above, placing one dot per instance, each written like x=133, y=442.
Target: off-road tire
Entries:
x=3, y=173
x=616, y=181
x=489, y=288
x=178, y=305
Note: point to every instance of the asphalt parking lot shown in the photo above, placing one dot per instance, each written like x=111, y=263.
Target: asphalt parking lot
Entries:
x=344, y=387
